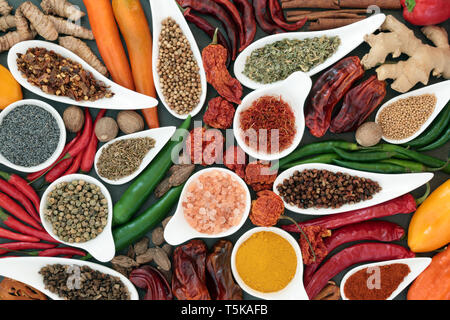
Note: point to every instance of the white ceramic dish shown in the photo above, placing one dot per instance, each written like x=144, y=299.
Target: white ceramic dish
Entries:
x=162, y=9
x=178, y=229
x=295, y=290
x=416, y=265
x=442, y=92
x=62, y=135
x=393, y=186
x=123, y=99
x=351, y=37
x=160, y=135
x=294, y=91
x=102, y=247
x=26, y=270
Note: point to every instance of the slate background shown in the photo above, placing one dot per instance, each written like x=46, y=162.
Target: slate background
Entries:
x=166, y=119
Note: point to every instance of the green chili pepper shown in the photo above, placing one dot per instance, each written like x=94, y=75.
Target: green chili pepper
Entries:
x=323, y=158
x=317, y=148
x=364, y=156
x=437, y=127
x=135, y=196
x=439, y=142
x=410, y=165
x=134, y=230
x=378, y=167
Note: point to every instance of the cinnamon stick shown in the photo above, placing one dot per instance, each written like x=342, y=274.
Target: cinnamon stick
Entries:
x=329, y=23
x=342, y=15
x=296, y=12
x=383, y=4
x=324, y=4
x=290, y=13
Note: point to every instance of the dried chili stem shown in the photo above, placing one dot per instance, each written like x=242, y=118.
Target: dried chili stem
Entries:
x=303, y=233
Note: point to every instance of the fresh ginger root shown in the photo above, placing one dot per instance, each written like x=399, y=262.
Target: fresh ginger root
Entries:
x=40, y=22
x=7, y=22
x=66, y=27
x=5, y=8
x=84, y=52
x=62, y=8
x=423, y=60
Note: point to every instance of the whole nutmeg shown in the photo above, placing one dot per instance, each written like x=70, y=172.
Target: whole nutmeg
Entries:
x=130, y=122
x=73, y=118
x=369, y=134
x=106, y=129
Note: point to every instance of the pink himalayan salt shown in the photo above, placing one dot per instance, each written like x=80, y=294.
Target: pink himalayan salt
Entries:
x=214, y=202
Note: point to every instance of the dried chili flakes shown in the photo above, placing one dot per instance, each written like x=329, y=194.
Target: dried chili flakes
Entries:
x=268, y=125
x=235, y=159
x=266, y=209
x=205, y=146
x=220, y=113
x=259, y=176
x=315, y=235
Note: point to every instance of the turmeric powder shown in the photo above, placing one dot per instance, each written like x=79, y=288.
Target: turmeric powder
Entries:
x=62, y=8
x=66, y=27
x=38, y=20
x=266, y=262
x=5, y=8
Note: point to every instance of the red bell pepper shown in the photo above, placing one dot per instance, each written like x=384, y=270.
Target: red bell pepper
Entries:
x=425, y=12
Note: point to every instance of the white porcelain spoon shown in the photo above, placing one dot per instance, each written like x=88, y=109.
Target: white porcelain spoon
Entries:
x=62, y=135
x=161, y=10
x=392, y=186
x=295, y=290
x=160, y=135
x=294, y=91
x=416, y=265
x=26, y=270
x=442, y=92
x=178, y=229
x=351, y=37
x=123, y=99
x=102, y=247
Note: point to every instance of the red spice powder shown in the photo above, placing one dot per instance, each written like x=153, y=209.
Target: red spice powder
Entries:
x=375, y=283
x=268, y=113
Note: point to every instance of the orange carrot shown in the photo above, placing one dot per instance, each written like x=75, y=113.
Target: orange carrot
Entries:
x=134, y=27
x=106, y=33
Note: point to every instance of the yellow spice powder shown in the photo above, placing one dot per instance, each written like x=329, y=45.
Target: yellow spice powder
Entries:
x=266, y=262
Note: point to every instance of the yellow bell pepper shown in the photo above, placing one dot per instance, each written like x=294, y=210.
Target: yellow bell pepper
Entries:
x=429, y=228
x=10, y=90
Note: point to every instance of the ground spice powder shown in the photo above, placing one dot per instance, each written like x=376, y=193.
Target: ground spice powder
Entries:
x=375, y=283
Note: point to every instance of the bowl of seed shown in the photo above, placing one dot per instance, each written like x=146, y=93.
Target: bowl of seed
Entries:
x=32, y=135
x=77, y=210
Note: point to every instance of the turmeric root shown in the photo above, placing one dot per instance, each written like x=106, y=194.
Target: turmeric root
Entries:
x=39, y=21
x=84, y=52
x=8, y=40
x=62, y=8
x=66, y=27
x=5, y=8
x=23, y=28
x=424, y=59
x=7, y=22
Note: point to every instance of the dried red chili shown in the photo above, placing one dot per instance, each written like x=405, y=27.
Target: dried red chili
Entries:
x=316, y=235
x=259, y=175
x=189, y=271
x=214, y=58
x=328, y=91
x=264, y=19
x=358, y=104
x=276, y=13
x=219, y=277
x=149, y=278
x=235, y=159
x=248, y=15
x=269, y=116
x=204, y=146
x=266, y=209
x=220, y=113
x=376, y=283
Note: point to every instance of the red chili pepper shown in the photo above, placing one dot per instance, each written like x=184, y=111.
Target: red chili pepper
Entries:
x=58, y=170
x=362, y=252
x=20, y=227
x=401, y=205
x=234, y=14
x=368, y=230
x=36, y=175
x=75, y=166
x=263, y=17
x=10, y=205
x=208, y=28
x=248, y=15
x=277, y=16
x=85, y=137
x=425, y=12
x=15, y=246
x=16, y=194
x=61, y=251
x=89, y=154
x=209, y=7
x=6, y=234
x=23, y=186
